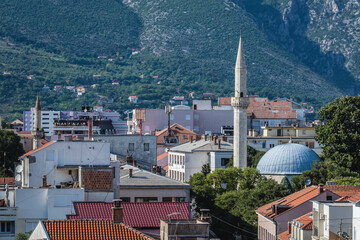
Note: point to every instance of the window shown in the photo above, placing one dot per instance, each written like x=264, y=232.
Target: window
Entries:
x=328, y=198
x=7, y=227
x=167, y=199
x=146, y=147
x=187, y=117
x=272, y=145
x=146, y=199
x=225, y=161
x=125, y=199
x=185, y=137
x=45, y=119
x=131, y=147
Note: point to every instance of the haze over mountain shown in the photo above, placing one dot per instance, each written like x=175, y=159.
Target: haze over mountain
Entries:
x=307, y=50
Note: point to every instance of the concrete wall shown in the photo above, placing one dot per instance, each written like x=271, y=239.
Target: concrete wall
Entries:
x=266, y=228
x=299, y=210
x=42, y=204
x=356, y=221
x=119, y=144
x=62, y=154
x=103, y=196
x=338, y=216
x=159, y=193
x=215, y=159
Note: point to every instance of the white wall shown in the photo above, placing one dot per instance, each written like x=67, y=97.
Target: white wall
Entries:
x=119, y=144
x=215, y=159
x=44, y=203
x=62, y=153
x=356, y=221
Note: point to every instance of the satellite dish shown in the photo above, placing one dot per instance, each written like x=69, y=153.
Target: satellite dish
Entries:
x=307, y=182
x=17, y=177
x=19, y=168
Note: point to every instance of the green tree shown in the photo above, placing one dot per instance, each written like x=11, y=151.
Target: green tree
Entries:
x=10, y=151
x=340, y=135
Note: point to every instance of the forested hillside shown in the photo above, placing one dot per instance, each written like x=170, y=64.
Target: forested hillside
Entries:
x=159, y=49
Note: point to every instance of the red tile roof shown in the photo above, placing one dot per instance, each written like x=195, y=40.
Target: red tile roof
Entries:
x=23, y=133
x=35, y=150
x=355, y=198
x=284, y=236
x=305, y=195
x=91, y=230
x=177, y=130
x=263, y=108
x=291, y=201
x=7, y=180
x=306, y=221
x=139, y=215
x=343, y=191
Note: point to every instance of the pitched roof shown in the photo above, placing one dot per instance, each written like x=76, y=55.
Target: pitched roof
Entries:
x=162, y=159
x=177, y=129
x=91, y=229
x=23, y=132
x=143, y=178
x=202, y=146
x=138, y=215
x=306, y=221
x=355, y=198
x=37, y=149
x=284, y=235
x=343, y=191
x=7, y=180
x=305, y=195
x=290, y=201
x=263, y=108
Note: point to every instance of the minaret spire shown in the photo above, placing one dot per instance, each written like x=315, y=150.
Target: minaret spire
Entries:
x=37, y=134
x=240, y=103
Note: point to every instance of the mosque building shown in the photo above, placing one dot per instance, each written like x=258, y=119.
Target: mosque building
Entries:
x=286, y=160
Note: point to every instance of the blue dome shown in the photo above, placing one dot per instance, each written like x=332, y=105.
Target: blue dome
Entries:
x=287, y=159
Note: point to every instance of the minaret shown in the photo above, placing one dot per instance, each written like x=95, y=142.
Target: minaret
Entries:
x=240, y=103
x=36, y=132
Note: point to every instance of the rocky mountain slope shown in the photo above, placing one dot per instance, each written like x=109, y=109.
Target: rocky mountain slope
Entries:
x=305, y=49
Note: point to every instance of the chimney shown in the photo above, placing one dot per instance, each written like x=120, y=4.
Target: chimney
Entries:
x=250, y=133
x=219, y=144
x=321, y=188
x=130, y=172
x=153, y=169
x=44, y=181
x=134, y=163
x=254, y=133
x=214, y=138
x=204, y=215
x=117, y=212
x=158, y=169
x=205, y=137
x=278, y=125
x=289, y=227
x=191, y=139
x=266, y=124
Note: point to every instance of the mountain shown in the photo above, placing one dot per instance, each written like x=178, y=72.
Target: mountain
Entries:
x=306, y=50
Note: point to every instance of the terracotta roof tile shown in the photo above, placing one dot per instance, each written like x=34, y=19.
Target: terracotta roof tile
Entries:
x=35, y=150
x=306, y=221
x=91, y=230
x=291, y=201
x=343, y=191
x=139, y=215
x=265, y=108
x=23, y=132
x=177, y=130
x=355, y=198
x=7, y=180
x=284, y=235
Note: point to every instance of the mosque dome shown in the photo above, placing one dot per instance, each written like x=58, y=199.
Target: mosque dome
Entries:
x=287, y=159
